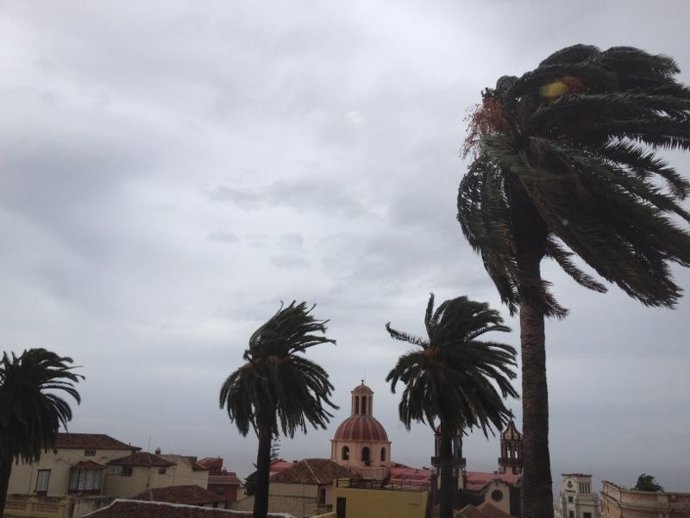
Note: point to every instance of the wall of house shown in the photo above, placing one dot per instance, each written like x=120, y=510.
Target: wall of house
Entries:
x=618, y=502
x=23, y=479
x=498, y=494
x=373, y=503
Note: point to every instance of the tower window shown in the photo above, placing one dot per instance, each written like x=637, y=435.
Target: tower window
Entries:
x=383, y=454
x=356, y=405
x=364, y=406
x=365, y=454
x=346, y=453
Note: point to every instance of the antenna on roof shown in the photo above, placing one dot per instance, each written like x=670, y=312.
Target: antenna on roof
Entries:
x=365, y=376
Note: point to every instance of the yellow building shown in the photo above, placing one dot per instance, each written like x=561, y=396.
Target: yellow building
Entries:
x=87, y=471
x=359, y=499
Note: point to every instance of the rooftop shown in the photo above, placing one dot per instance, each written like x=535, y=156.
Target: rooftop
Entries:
x=90, y=441
x=141, y=458
x=190, y=494
x=139, y=509
x=311, y=471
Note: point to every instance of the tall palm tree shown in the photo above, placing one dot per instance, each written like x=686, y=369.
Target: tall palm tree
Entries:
x=451, y=377
x=31, y=411
x=565, y=164
x=277, y=389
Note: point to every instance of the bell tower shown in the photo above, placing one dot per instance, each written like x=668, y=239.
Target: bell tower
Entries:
x=510, y=460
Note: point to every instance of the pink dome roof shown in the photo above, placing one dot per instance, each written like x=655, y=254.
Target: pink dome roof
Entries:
x=362, y=390
x=361, y=428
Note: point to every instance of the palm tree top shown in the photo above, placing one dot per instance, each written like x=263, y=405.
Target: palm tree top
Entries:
x=451, y=379
x=565, y=165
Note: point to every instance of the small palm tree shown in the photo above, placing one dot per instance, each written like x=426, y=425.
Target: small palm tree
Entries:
x=31, y=411
x=453, y=376
x=277, y=389
x=565, y=166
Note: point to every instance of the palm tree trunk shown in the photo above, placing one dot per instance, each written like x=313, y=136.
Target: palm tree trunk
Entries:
x=5, y=472
x=448, y=483
x=263, y=469
x=537, y=498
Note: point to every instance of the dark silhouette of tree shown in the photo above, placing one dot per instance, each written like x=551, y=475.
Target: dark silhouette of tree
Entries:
x=277, y=389
x=31, y=408
x=453, y=377
x=647, y=483
x=565, y=165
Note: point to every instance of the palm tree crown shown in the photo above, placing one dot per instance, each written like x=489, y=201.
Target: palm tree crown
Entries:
x=565, y=164
x=277, y=385
x=451, y=377
x=277, y=389
x=31, y=411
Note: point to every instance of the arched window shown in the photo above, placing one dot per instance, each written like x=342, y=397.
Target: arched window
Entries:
x=356, y=405
x=364, y=406
x=365, y=454
x=383, y=454
x=346, y=453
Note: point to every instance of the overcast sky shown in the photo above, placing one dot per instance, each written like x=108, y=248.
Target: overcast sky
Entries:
x=170, y=171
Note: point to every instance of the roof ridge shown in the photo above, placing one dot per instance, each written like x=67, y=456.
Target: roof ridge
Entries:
x=316, y=479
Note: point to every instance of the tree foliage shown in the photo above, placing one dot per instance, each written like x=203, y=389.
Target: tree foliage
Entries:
x=566, y=166
x=454, y=378
x=278, y=389
x=647, y=483
x=32, y=408
x=573, y=143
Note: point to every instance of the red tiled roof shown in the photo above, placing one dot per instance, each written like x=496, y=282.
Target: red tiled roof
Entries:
x=361, y=428
x=141, y=458
x=362, y=389
x=190, y=495
x=87, y=464
x=312, y=471
x=213, y=464
x=90, y=441
x=476, y=480
x=229, y=479
x=279, y=465
x=404, y=475
x=491, y=511
x=140, y=509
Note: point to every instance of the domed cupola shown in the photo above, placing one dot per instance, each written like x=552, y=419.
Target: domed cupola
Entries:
x=360, y=440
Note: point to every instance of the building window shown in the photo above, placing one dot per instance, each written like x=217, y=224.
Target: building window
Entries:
x=496, y=495
x=356, y=405
x=346, y=453
x=570, y=499
x=383, y=454
x=89, y=453
x=126, y=471
x=364, y=406
x=586, y=515
x=161, y=471
x=322, y=496
x=85, y=479
x=571, y=514
x=365, y=455
x=42, y=481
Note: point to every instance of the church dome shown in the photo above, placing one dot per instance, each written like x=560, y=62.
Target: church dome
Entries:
x=361, y=428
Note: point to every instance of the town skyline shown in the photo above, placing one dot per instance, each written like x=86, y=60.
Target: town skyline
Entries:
x=170, y=174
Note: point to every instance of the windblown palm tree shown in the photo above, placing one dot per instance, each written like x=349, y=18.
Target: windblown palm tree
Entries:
x=31, y=411
x=454, y=378
x=565, y=164
x=277, y=389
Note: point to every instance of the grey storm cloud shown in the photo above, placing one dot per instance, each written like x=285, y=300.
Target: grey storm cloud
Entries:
x=170, y=172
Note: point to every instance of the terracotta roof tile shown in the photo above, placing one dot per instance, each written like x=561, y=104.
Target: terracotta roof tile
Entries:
x=90, y=441
x=140, y=509
x=141, y=458
x=190, y=494
x=492, y=511
x=312, y=471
